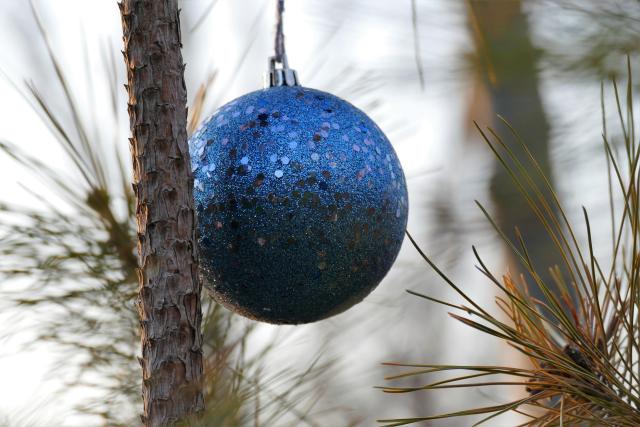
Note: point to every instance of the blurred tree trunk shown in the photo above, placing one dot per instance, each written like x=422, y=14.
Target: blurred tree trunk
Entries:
x=507, y=74
x=169, y=294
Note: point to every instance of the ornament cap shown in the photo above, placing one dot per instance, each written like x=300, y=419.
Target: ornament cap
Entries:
x=280, y=76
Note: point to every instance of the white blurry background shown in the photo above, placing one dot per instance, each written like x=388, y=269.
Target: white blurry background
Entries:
x=363, y=51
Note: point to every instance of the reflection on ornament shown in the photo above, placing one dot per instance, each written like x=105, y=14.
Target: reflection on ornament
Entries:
x=301, y=201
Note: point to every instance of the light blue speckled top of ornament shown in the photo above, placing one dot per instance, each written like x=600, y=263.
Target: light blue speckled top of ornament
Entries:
x=301, y=202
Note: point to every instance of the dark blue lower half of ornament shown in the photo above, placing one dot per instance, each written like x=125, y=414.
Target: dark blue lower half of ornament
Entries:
x=301, y=201
x=292, y=267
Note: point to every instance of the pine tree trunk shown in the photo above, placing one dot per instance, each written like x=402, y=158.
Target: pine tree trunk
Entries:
x=169, y=294
x=508, y=67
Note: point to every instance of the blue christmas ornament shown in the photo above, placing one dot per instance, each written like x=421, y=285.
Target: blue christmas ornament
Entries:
x=301, y=203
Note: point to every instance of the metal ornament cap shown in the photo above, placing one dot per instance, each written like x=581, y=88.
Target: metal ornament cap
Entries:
x=283, y=76
x=301, y=201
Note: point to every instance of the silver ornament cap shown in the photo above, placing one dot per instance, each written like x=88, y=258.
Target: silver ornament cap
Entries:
x=280, y=75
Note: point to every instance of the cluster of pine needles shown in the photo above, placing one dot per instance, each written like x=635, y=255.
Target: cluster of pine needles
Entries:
x=71, y=267
x=582, y=340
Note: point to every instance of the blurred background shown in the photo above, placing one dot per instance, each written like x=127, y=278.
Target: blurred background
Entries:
x=424, y=70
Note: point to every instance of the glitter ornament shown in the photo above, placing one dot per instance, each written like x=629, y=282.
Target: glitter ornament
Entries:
x=301, y=202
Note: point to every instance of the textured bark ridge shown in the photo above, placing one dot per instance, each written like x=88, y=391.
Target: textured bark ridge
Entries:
x=169, y=298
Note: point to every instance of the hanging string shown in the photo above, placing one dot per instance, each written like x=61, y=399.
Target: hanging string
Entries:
x=279, y=42
x=279, y=73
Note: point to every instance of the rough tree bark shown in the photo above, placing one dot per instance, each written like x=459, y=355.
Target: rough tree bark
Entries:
x=169, y=294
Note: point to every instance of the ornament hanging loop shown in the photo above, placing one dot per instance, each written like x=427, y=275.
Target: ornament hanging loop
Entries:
x=279, y=41
x=279, y=73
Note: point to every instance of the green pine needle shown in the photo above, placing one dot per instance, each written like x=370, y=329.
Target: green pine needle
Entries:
x=583, y=340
